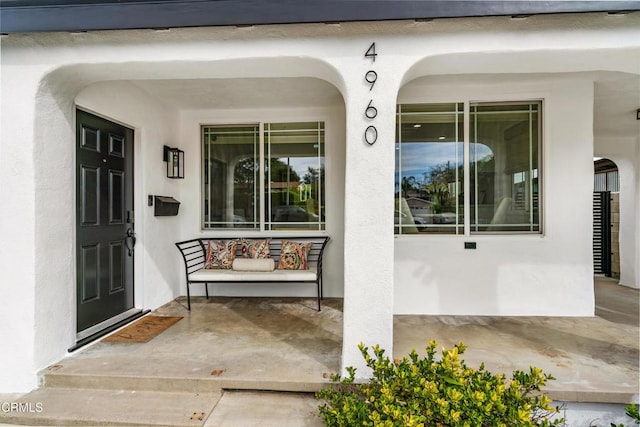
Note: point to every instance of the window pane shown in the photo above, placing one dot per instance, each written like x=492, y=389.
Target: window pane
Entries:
x=505, y=141
x=429, y=169
x=230, y=172
x=294, y=176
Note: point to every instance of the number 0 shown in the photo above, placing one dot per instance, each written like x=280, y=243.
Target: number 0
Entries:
x=371, y=52
x=371, y=135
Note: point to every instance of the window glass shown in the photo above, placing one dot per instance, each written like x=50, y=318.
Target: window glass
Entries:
x=504, y=151
x=294, y=176
x=230, y=171
x=429, y=169
x=504, y=165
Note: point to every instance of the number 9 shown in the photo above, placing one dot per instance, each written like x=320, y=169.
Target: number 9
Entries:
x=371, y=78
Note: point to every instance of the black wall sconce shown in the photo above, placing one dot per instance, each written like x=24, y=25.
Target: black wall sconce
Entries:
x=638, y=114
x=175, y=162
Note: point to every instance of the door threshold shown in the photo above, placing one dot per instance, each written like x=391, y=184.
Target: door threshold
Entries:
x=101, y=329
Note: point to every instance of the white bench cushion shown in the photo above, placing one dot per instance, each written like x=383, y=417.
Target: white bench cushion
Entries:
x=223, y=275
x=253, y=264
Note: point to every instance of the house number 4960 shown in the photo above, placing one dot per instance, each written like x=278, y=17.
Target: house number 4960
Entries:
x=371, y=112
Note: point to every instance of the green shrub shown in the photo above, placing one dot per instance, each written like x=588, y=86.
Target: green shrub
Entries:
x=632, y=412
x=440, y=392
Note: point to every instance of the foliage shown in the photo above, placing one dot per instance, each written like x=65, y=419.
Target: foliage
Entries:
x=631, y=412
x=245, y=171
x=430, y=391
x=313, y=175
x=439, y=193
x=443, y=172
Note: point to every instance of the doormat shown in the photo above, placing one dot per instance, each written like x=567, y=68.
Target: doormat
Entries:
x=143, y=330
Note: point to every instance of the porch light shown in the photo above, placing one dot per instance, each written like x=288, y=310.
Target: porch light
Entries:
x=638, y=114
x=175, y=162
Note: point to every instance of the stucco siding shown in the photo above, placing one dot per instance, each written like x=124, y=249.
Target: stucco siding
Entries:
x=121, y=74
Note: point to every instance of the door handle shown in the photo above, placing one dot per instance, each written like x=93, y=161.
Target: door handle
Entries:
x=131, y=236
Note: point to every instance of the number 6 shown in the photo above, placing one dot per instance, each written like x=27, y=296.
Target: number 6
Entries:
x=371, y=112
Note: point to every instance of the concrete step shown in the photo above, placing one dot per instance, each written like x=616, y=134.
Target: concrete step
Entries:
x=210, y=384
x=130, y=373
x=265, y=409
x=96, y=407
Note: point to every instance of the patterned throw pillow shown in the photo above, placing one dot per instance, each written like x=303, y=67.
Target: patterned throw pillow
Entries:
x=255, y=248
x=294, y=255
x=220, y=254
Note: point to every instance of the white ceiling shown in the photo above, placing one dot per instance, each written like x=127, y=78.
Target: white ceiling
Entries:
x=206, y=94
x=617, y=96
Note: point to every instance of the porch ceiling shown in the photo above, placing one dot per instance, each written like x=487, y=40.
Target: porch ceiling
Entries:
x=206, y=94
x=617, y=96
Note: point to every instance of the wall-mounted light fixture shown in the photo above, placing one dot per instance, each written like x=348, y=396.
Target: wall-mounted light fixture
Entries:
x=175, y=162
x=638, y=114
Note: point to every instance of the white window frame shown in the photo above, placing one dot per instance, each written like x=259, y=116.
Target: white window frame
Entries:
x=261, y=187
x=467, y=165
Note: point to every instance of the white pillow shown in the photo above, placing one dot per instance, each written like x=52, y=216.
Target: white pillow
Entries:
x=253, y=264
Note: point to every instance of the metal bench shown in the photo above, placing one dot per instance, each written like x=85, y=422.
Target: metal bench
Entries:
x=194, y=255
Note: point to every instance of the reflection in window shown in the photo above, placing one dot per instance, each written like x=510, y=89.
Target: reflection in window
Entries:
x=503, y=164
x=293, y=177
x=429, y=169
x=505, y=142
x=230, y=185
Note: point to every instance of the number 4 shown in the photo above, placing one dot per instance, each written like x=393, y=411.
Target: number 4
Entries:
x=371, y=52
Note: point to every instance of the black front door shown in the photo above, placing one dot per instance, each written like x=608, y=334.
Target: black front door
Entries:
x=104, y=219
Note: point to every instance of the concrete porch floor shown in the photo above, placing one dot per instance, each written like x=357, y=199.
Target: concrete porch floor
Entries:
x=212, y=367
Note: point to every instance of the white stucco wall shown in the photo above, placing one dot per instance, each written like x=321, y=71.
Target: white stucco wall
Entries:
x=44, y=74
x=191, y=208
x=549, y=274
x=17, y=261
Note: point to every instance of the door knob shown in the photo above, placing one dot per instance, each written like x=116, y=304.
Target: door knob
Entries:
x=131, y=237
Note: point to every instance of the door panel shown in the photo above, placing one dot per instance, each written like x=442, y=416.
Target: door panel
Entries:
x=116, y=197
x=104, y=214
x=89, y=191
x=90, y=267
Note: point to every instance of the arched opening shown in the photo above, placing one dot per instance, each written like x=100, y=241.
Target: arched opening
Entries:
x=606, y=218
x=166, y=104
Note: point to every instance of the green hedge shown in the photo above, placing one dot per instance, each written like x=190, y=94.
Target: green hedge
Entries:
x=435, y=391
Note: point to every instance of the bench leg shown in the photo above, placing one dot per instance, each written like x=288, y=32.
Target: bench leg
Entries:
x=206, y=289
x=188, y=298
x=319, y=292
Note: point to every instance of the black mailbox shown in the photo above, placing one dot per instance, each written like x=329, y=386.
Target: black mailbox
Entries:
x=165, y=206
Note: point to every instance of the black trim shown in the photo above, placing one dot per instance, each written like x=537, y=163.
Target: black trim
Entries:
x=87, y=15
x=106, y=331
x=602, y=233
